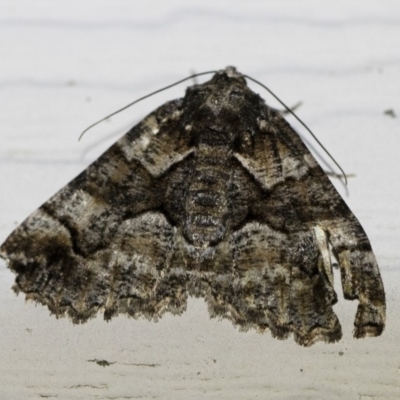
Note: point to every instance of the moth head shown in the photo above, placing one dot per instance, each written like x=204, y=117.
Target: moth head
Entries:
x=223, y=97
x=222, y=109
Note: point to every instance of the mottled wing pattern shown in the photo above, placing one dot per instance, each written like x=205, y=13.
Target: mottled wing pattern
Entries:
x=213, y=196
x=101, y=241
x=287, y=275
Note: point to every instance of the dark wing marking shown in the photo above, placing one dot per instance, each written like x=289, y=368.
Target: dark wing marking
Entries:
x=298, y=213
x=100, y=241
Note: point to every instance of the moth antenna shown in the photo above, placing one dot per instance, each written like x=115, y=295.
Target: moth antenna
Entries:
x=301, y=122
x=145, y=97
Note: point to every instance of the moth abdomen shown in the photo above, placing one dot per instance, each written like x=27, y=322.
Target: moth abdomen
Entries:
x=207, y=200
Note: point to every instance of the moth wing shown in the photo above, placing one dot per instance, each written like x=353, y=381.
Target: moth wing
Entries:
x=100, y=242
x=299, y=212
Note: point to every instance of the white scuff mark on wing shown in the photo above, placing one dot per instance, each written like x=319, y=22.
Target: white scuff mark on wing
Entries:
x=310, y=160
x=144, y=142
x=293, y=167
x=262, y=124
x=152, y=125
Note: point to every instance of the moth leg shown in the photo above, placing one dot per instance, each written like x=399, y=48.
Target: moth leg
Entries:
x=360, y=275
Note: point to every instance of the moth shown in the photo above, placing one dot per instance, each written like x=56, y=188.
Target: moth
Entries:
x=213, y=195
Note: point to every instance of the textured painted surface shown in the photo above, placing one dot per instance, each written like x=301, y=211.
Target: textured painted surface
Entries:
x=67, y=64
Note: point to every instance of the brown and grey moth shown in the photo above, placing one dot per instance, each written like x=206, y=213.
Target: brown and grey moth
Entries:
x=212, y=195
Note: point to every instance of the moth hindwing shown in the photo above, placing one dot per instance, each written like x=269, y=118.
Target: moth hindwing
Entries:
x=211, y=195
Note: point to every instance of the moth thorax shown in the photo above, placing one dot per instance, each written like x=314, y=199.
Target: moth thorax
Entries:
x=221, y=139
